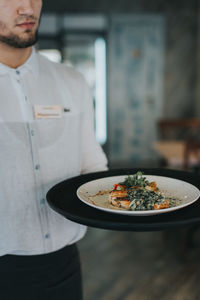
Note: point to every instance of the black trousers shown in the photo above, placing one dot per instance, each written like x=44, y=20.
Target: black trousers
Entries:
x=53, y=276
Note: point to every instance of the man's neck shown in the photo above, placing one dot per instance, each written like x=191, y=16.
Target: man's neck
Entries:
x=14, y=57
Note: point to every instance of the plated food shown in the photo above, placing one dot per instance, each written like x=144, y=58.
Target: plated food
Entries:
x=138, y=194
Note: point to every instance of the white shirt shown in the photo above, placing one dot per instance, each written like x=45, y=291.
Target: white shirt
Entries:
x=35, y=154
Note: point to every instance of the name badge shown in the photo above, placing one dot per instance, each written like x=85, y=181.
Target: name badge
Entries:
x=47, y=111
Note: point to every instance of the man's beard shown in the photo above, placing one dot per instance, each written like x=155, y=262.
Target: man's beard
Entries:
x=17, y=42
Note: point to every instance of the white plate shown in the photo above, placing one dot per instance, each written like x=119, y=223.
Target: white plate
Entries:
x=175, y=188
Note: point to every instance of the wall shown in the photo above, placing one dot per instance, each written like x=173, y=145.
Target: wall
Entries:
x=182, y=27
x=180, y=65
x=136, y=55
x=181, y=80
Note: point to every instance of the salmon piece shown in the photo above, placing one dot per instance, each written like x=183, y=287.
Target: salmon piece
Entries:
x=125, y=204
x=115, y=202
x=121, y=203
x=152, y=187
x=136, y=187
x=118, y=199
x=117, y=195
x=163, y=205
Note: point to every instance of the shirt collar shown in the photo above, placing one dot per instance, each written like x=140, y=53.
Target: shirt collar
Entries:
x=31, y=64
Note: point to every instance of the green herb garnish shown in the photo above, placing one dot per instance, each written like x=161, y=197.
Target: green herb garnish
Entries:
x=135, y=180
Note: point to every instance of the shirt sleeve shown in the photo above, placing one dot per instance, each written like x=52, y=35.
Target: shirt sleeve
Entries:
x=93, y=157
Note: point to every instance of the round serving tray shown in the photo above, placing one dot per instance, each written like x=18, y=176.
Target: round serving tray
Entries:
x=63, y=199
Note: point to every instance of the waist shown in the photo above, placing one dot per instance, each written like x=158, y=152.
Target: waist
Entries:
x=64, y=254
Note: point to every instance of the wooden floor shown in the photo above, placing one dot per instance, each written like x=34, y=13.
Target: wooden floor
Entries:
x=139, y=266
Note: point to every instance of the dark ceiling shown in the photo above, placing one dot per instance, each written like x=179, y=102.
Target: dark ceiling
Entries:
x=117, y=6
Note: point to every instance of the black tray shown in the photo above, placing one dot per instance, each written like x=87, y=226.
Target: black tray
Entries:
x=62, y=198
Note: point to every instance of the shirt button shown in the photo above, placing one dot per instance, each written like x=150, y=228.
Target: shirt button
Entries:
x=26, y=98
x=37, y=167
x=17, y=72
x=42, y=201
x=47, y=236
x=32, y=132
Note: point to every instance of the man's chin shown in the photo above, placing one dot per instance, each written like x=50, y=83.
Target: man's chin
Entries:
x=19, y=42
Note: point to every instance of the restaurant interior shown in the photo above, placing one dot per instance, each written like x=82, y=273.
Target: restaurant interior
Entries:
x=141, y=60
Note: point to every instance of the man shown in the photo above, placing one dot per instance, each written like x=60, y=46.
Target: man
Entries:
x=46, y=135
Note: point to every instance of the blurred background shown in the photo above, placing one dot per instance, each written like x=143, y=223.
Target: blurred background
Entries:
x=141, y=60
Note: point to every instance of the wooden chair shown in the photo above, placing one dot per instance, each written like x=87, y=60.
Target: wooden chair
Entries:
x=180, y=146
x=167, y=127
x=179, y=141
x=192, y=151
